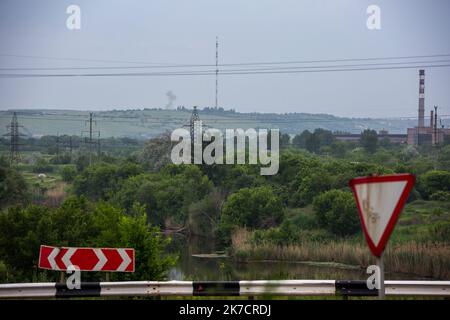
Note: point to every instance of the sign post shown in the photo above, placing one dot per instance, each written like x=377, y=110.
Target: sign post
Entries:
x=381, y=290
x=380, y=199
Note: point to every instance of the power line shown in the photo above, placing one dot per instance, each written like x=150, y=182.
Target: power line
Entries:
x=174, y=65
x=218, y=65
x=235, y=72
x=74, y=59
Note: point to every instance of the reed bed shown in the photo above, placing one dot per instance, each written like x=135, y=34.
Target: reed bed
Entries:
x=428, y=260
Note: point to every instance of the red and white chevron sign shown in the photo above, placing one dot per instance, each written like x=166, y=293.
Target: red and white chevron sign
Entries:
x=87, y=259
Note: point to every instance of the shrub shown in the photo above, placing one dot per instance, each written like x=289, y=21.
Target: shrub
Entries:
x=68, y=173
x=336, y=211
x=440, y=196
x=254, y=208
x=41, y=166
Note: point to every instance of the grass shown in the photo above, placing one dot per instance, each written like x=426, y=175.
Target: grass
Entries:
x=419, y=220
x=49, y=189
x=428, y=260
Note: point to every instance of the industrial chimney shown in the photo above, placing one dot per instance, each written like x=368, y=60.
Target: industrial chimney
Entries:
x=421, y=98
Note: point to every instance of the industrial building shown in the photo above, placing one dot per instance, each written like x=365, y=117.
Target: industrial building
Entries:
x=382, y=134
x=435, y=133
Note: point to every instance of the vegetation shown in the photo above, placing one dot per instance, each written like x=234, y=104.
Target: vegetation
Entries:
x=305, y=212
x=78, y=222
x=422, y=259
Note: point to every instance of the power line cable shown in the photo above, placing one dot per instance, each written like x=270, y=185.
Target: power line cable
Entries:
x=228, y=70
x=202, y=73
x=167, y=64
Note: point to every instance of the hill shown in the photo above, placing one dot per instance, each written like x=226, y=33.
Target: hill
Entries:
x=146, y=123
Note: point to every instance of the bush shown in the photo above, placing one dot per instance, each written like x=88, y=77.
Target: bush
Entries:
x=42, y=166
x=253, y=208
x=336, y=211
x=435, y=181
x=13, y=188
x=68, y=173
x=440, y=196
x=440, y=231
x=203, y=215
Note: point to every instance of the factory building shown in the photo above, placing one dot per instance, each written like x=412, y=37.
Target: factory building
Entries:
x=432, y=134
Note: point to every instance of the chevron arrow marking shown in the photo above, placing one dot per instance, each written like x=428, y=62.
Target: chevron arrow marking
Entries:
x=126, y=260
x=51, y=258
x=101, y=259
x=66, y=258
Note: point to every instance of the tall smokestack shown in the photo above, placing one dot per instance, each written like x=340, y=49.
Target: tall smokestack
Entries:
x=421, y=98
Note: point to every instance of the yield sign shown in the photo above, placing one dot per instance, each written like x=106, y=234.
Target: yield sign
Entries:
x=380, y=200
x=87, y=259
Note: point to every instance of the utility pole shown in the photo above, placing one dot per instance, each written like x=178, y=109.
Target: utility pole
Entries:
x=98, y=146
x=70, y=147
x=57, y=146
x=14, y=134
x=436, y=138
x=91, y=131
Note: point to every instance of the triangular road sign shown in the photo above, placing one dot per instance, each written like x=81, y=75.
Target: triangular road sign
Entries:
x=380, y=199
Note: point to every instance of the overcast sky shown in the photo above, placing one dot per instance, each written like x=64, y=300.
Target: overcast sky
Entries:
x=183, y=32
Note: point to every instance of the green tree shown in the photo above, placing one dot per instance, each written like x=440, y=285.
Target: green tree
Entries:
x=101, y=180
x=300, y=139
x=80, y=223
x=68, y=173
x=204, y=215
x=13, y=188
x=369, y=140
x=435, y=181
x=22, y=231
x=156, y=153
x=284, y=140
x=336, y=211
x=253, y=208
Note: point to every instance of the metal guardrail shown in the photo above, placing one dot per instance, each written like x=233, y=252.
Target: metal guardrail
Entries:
x=223, y=288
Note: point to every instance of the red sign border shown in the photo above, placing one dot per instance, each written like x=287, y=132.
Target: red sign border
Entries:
x=410, y=179
x=56, y=247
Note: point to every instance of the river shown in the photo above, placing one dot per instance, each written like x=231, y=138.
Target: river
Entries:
x=190, y=267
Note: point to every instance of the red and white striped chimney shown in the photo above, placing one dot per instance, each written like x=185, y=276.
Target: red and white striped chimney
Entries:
x=421, y=98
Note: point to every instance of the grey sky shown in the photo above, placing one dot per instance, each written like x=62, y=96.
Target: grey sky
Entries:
x=181, y=31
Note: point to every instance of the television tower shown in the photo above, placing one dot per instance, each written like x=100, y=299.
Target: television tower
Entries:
x=217, y=69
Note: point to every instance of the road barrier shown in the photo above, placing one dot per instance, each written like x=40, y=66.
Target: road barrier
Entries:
x=222, y=288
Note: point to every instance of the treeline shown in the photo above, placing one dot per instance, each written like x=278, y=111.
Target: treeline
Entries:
x=64, y=145
x=215, y=200
x=124, y=200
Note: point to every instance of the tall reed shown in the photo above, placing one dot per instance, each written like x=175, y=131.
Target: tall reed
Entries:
x=422, y=259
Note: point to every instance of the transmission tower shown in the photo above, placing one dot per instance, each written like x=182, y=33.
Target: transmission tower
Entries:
x=90, y=141
x=193, y=123
x=196, y=127
x=14, y=134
